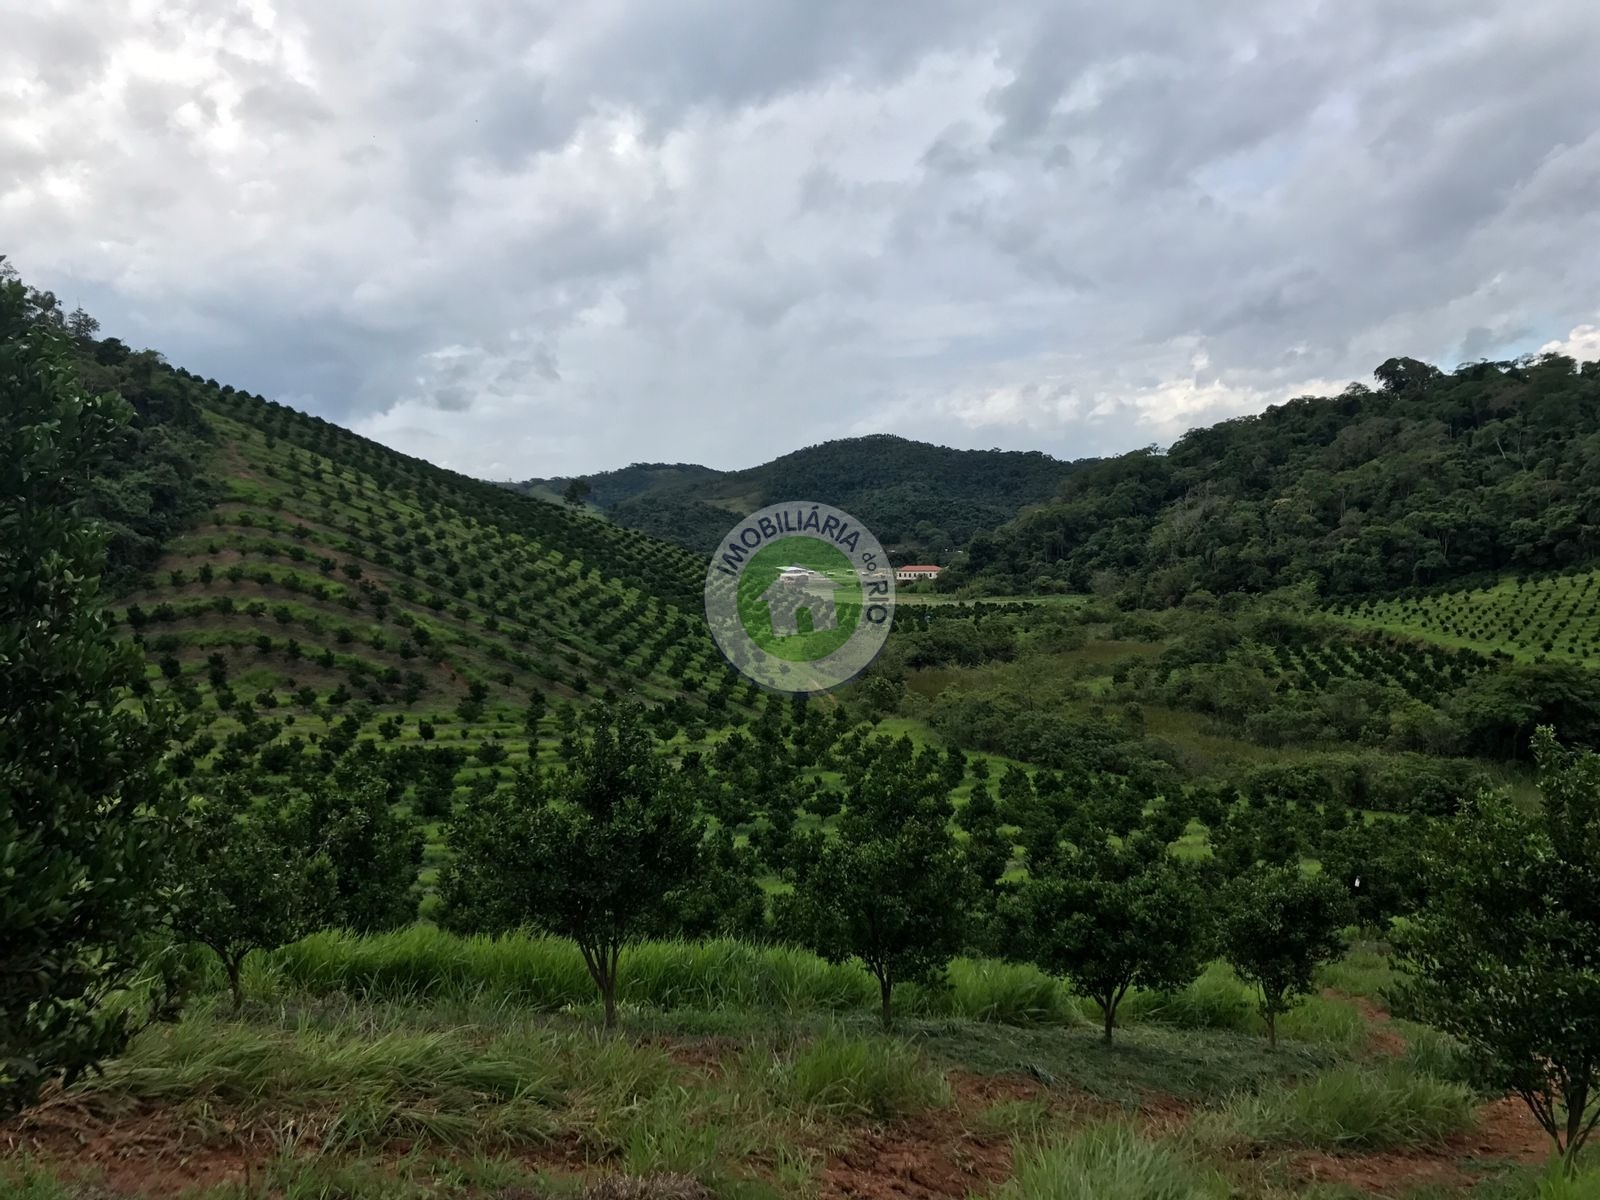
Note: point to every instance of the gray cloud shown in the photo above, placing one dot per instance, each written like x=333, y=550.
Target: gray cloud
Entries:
x=533, y=239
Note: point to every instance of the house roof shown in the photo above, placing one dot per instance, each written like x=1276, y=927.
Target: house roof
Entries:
x=920, y=567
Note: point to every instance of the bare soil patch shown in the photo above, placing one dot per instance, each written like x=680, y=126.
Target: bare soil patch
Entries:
x=1505, y=1133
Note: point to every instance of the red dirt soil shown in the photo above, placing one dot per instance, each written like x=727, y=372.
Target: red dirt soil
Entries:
x=140, y=1153
x=1506, y=1132
x=932, y=1156
x=1382, y=1039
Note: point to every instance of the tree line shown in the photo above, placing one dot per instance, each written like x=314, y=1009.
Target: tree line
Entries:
x=1428, y=477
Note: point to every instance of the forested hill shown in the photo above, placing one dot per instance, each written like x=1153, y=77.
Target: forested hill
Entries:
x=606, y=489
x=919, y=499
x=1426, y=478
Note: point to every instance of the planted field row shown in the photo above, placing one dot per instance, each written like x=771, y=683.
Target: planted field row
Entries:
x=1555, y=618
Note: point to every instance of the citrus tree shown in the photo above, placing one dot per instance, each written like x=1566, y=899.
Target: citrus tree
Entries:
x=599, y=852
x=1505, y=954
x=1111, y=916
x=250, y=881
x=1279, y=924
x=890, y=888
x=87, y=813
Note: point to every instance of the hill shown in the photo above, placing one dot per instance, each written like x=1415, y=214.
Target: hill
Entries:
x=1427, y=478
x=920, y=500
x=1527, y=618
x=296, y=585
x=331, y=570
x=607, y=489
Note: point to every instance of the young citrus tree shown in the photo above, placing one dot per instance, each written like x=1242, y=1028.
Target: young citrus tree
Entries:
x=349, y=816
x=1109, y=917
x=599, y=852
x=1505, y=954
x=249, y=882
x=1278, y=924
x=86, y=812
x=890, y=887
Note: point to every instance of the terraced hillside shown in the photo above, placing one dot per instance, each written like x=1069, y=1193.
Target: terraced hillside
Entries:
x=1552, y=619
x=335, y=577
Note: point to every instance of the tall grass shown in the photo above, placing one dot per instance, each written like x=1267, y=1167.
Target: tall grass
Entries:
x=364, y=1077
x=1219, y=1000
x=1355, y=1107
x=547, y=974
x=1108, y=1162
x=425, y=963
x=1548, y=1183
x=846, y=1076
x=23, y=1179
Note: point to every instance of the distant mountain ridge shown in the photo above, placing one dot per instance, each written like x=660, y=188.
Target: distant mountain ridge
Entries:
x=921, y=500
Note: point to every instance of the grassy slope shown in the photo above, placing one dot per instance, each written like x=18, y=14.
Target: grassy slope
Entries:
x=1532, y=620
x=395, y=567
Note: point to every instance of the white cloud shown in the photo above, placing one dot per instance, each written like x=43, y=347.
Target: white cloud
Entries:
x=1583, y=344
x=552, y=238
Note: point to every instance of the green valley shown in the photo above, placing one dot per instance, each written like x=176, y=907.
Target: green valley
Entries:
x=376, y=831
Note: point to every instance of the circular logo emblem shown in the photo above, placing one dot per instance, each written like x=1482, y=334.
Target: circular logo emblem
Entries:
x=799, y=597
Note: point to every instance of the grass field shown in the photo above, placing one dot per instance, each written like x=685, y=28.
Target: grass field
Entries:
x=420, y=1065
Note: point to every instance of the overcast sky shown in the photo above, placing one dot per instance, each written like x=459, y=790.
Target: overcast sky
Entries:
x=527, y=239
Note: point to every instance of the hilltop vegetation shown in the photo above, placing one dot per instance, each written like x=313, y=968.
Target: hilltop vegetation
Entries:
x=606, y=489
x=1428, y=478
x=920, y=501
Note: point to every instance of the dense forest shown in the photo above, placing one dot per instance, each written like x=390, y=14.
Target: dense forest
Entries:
x=921, y=501
x=1427, y=478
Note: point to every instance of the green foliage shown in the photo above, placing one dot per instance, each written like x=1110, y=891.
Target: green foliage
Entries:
x=1277, y=926
x=1355, y=1107
x=1508, y=450
x=848, y=1076
x=349, y=817
x=1108, y=1162
x=1377, y=863
x=548, y=974
x=1505, y=955
x=1109, y=917
x=595, y=853
x=250, y=881
x=86, y=810
x=890, y=887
